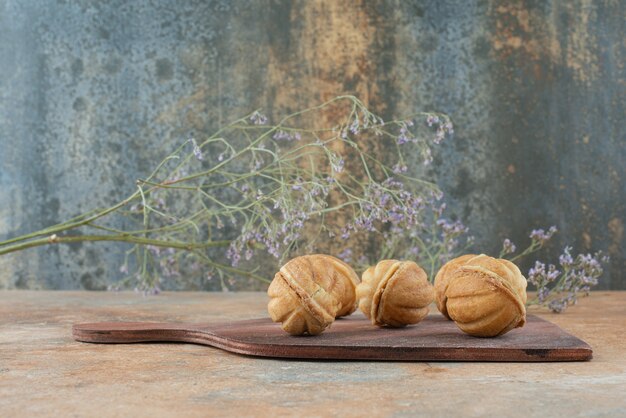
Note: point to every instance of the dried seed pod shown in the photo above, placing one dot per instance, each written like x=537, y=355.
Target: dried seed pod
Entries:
x=309, y=292
x=483, y=295
x=395, y=293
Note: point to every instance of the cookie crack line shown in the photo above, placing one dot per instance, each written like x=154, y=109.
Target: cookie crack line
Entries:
x=377, y=306
x=510, y=291
x=310, y=305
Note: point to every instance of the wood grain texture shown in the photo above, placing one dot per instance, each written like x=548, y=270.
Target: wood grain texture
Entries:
x=354, y=338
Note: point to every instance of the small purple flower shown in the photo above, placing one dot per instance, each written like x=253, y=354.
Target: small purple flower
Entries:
x=399, y=168
x=154, y=249
x=432, y=120
x=508, y=247
x=437, y=195
x=439, y=136
x=536, y=275
x=258, y=118
x=249, y=253
x=234, y=254
x=280, y=134
x=197, y=152
x=451, y=229
x=337, y=164
x=552, y=273
x=403, y=137
x=346, y=255
x=557, y=305
x=542, y=236
x=286, y=136
x=354, y=127
x=438, y=210
x=565, y=259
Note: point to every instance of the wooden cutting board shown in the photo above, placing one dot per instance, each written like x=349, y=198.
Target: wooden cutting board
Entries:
x=354, y=338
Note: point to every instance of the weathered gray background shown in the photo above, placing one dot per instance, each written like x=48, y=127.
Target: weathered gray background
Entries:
x=91, y=90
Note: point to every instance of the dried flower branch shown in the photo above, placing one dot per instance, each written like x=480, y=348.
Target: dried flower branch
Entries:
x=557, y=289
x=214, y=208
x=538, y=239
x=254, y=187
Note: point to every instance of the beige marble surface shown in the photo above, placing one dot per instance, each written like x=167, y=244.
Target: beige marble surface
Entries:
x=44, y=372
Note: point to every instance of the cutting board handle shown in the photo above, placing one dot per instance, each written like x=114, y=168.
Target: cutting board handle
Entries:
x=139, y=332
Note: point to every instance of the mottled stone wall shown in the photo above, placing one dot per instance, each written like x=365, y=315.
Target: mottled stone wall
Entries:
x=92, y=93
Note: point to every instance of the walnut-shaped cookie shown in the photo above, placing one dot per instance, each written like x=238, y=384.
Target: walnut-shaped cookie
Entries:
x=309, y=291
x=485, y=296
x=395, y=293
